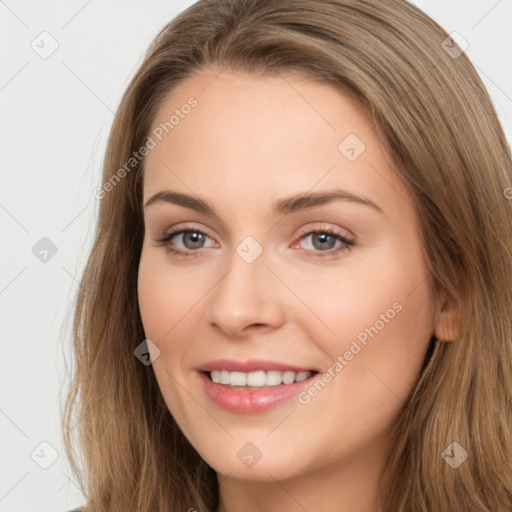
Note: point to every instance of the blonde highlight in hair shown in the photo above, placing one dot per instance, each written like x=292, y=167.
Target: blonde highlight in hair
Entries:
x=445, y=142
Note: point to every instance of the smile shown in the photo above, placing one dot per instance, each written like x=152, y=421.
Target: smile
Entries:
x=252, y=386
x=258, y=378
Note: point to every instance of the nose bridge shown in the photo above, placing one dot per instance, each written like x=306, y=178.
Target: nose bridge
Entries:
x=247, y=293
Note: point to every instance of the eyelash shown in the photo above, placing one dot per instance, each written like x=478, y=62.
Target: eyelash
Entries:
x=166, y=237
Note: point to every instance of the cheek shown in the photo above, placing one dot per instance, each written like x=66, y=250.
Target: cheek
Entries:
x=155, y=300
x=376, y=308
x=383, y=319
x=386, y=287
x=166, y=295
x=166, y=302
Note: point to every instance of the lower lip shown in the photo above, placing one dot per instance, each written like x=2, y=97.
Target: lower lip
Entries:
x=251, y=400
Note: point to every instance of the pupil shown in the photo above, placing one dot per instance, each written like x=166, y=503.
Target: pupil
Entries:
x=195, y=238
x=323, y=237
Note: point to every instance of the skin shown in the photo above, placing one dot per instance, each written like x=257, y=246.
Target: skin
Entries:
x=250, y=141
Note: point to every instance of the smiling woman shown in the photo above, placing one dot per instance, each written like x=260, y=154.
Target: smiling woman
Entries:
x=300, y=298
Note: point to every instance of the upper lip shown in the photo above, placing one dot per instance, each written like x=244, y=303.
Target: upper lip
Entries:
x=250, y=366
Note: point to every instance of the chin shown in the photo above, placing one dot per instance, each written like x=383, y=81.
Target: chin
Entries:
x=260, y=460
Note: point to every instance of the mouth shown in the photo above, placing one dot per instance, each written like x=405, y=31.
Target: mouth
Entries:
x=252, y=387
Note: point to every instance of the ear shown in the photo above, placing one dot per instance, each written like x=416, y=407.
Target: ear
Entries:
x=446, y=324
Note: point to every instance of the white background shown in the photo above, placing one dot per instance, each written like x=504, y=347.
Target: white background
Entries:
x=55, y=118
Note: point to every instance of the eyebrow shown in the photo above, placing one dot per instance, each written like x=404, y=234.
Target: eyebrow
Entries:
x=282, y=206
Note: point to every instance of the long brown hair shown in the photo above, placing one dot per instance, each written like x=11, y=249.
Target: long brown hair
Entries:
x=444, y=140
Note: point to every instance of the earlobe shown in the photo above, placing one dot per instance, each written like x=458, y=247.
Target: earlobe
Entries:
x=446, y=325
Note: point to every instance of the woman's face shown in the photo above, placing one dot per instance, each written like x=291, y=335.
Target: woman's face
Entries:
x=245, y=173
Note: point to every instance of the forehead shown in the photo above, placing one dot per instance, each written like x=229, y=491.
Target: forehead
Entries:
x=265, y=137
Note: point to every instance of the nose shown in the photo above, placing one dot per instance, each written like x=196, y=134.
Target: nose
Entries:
x=247, y=299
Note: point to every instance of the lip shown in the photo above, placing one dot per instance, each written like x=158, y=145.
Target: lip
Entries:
x=245, y=400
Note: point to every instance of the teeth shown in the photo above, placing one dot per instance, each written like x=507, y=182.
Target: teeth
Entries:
x=237, y=379
x=302, y=376
x=273, y=378
x=288, y=377
x=257, y=379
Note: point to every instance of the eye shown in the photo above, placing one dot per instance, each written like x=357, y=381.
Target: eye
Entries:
x=192, y=239
x=324, y=241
